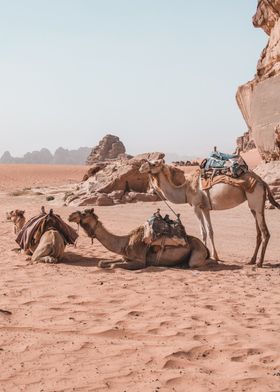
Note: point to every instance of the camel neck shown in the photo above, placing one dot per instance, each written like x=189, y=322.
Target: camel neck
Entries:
x=176, y=195
x=112, y=242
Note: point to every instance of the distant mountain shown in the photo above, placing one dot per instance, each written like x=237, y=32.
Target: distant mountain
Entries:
x=173, y=157
x=62, y=156
x=44, y=156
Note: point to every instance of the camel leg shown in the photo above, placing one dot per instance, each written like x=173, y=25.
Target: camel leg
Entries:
x=105, y=263
x=258, y=240
x=197, y=259
x=129, y=265
x=210, y=233
x=199, y=215
x=48, y=259
x=265, y=236
x=256, y=201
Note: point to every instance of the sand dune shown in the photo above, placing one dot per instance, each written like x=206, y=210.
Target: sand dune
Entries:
x=74, y=327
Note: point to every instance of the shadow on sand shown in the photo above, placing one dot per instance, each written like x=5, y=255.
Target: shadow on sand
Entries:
x=76, y=259
x=210, y=268
x=269, y=265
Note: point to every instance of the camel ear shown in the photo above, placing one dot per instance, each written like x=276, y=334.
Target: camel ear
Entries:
x=89, y=211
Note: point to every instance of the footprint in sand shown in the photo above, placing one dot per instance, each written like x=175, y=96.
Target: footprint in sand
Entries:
x=242, y=355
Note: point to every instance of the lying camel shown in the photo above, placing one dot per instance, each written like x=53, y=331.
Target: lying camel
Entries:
x=219, y=197
x=18, y=219
x=135, y=253
x=50, y=245
x=50, y=248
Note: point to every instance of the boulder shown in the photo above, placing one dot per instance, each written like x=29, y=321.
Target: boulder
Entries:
x=146, y=197
x=116, y=194
x=93, y=170
x=104, y=200
x=150, y=156
x=88, y=201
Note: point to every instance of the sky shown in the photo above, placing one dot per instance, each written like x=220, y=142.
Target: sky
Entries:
x=160, y=74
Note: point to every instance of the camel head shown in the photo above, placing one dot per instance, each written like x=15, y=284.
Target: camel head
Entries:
x=152, y=167
x=15, y=215
x=87, y=219
x=18, y=219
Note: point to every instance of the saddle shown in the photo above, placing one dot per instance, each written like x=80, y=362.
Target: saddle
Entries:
x=163, y=231
x=223, y=164
x=33, y=230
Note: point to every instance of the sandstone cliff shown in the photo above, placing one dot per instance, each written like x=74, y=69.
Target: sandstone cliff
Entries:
x=259, y=99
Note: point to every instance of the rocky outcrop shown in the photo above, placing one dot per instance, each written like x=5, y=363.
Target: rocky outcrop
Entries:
x=114, y=182
x=245, y=142
x=44, y=156
x=109, y=148
x=270, y=173
x=259, y=99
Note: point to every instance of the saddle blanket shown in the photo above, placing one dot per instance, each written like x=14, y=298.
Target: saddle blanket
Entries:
x=164, y=231
x=246, y=181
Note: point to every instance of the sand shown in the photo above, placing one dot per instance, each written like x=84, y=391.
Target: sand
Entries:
x=74, y=327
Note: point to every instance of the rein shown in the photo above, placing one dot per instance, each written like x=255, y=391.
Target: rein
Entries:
x=89, y=230
x=160, y=196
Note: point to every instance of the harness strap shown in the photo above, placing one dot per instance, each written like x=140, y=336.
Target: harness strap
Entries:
x=208, y=197
x=161, y=251
x=160, y=196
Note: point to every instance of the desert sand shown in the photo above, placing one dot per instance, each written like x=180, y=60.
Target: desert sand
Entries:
x=74, y=327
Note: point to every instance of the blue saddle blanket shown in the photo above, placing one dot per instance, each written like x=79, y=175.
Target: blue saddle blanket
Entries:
x=220, y=160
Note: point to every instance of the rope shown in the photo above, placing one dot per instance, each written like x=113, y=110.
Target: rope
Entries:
x=160, y=196
x=162, y=246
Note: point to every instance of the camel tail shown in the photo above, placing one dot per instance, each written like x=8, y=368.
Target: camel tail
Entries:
x=270, y=196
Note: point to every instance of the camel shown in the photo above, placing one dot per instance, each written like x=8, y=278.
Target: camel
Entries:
x=219, y=197
x=18, y=219
x=135, y=253
x=50, y=248
x=49, y=245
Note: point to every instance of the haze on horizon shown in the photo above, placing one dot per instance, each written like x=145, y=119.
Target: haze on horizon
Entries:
x=161, y=75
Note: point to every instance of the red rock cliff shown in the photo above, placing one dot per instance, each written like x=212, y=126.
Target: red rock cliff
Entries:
x=259, y=99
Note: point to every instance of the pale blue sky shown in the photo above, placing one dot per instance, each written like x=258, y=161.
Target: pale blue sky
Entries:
x=161, y=74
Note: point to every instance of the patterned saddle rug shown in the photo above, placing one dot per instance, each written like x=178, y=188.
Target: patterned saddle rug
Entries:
x=163, y=231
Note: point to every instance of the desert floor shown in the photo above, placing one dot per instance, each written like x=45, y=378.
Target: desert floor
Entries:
x=74, y=327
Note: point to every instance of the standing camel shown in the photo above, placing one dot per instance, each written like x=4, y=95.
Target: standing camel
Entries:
x=135, y=253
x=219, y=197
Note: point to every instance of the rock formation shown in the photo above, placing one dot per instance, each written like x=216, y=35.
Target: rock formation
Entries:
x=245, y=142
x=270, y=172
x=109, y=148
x=259, y=99
x=114, y=182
